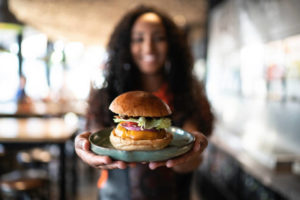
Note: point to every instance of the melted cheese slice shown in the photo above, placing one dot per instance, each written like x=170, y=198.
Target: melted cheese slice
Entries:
x=138, y=135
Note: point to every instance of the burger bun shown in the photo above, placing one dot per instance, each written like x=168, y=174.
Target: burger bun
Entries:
x=128, y=144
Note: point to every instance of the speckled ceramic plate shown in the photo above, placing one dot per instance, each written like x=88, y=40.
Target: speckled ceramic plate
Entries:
x=181, y=143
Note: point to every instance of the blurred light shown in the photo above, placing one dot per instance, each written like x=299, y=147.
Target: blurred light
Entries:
x=57, y=74
x=35, y=72
x=74, y=52
x=7, y=38
x=296, y=167
x=71, y=119
x=96, y=57
x=20, y=185
x=34, y=44
x=9, y=128
x=56, y=128
x=230, y=111
x=34, y=128
x=14, y=48
x=56, y=57
x=253, y=134
x=24, y=157
x=259, y=141
x=41, y=155
x=199, y=68
x=252, y=66
x=250, y=33
x=59, y=45
x=8, y=76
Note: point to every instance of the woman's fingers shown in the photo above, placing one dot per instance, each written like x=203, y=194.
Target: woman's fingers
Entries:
x=113, y=165
x=82, y=142
x=200, y=142
x=93, y=159
x=154, y=165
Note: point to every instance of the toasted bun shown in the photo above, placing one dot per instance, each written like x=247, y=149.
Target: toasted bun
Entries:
x=139, y=103
x=127, y=144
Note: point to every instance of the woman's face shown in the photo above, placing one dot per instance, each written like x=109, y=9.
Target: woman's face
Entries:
x=149, y=43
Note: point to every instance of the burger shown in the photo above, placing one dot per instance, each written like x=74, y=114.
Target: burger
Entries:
x=142, y=122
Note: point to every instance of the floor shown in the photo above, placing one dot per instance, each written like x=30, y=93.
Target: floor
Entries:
x=87, y=182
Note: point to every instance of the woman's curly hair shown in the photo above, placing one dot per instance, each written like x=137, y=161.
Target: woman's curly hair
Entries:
x=121, y=74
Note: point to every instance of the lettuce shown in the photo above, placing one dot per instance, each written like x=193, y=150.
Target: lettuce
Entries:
x=158, y=123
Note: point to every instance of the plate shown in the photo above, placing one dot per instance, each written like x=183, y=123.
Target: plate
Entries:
x=181, y=143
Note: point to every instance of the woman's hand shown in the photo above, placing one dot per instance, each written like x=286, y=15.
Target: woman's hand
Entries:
x=82, y=148
x=188, y=161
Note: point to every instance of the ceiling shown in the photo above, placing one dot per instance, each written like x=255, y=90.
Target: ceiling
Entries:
x=91, y=21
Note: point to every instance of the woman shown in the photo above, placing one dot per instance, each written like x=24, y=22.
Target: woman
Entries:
x=147, y=51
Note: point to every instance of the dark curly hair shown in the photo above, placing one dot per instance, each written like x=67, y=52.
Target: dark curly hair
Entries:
x=121, y=74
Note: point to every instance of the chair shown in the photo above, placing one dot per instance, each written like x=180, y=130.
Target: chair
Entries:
x=34, y=158
x=24, y=184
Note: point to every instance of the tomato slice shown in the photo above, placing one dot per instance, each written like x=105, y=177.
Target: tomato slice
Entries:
x=132, y=123
x=129, y=124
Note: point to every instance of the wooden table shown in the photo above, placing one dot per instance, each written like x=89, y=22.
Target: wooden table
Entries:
x=42, y=109
x=19, y=132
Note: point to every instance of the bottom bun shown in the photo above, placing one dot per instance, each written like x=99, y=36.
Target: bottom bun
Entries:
x=128, y=144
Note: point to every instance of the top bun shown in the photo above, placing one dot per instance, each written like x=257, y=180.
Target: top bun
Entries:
x=139, y=103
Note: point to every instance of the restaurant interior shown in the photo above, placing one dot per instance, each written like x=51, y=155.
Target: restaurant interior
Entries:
x=246, y=53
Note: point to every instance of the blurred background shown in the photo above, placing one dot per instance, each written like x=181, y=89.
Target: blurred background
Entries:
x=247, y=53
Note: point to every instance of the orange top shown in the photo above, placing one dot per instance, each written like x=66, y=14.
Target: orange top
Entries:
x=163, y=94
x=103, y=178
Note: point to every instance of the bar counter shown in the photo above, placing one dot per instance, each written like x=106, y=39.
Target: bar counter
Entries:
x=235, y=173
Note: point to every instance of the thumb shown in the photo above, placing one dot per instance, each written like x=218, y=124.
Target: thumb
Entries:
x=82, y=142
